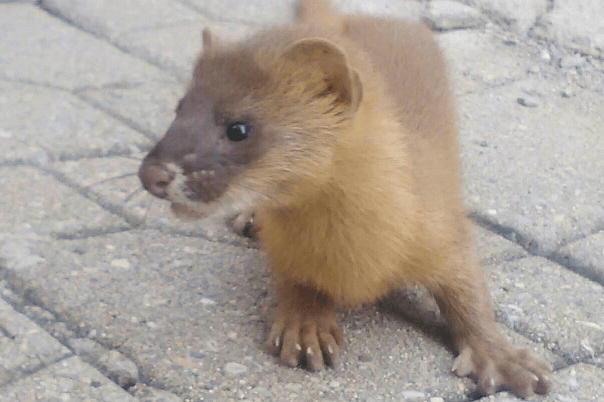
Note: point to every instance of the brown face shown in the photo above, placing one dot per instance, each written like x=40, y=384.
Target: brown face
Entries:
x=214, y=136
x=246, y=131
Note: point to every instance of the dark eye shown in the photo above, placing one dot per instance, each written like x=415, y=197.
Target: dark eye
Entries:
x=238, y=131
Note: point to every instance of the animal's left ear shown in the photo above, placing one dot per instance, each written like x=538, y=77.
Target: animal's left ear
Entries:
x=324, y=67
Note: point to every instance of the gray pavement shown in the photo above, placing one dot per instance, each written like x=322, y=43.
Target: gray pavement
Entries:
x=105, y=297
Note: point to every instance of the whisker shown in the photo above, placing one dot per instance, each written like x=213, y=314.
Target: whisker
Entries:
x=134, y=158
x=122, y=176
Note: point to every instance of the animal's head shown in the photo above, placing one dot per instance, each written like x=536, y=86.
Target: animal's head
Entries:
x=258, y=119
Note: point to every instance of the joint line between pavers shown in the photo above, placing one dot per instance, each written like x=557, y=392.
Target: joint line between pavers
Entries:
x=4, y=332
x=28, y=373
x=114, y=209
x=23, y=81
x=152, y=137
x=213, y=17
x=101, y=38
x=525, y=242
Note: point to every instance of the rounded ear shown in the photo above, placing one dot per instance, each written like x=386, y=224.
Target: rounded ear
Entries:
x=208, y=41
x=325, y=68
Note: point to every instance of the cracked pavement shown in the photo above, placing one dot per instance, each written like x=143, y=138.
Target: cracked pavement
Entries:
x=105, y=297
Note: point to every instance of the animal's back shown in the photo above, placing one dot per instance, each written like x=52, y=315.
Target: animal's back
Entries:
x=413, y=68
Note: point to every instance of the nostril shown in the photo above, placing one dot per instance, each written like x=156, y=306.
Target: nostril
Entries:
x=156, y=178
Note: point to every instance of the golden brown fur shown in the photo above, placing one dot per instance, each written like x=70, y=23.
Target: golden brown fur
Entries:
x=352, y=170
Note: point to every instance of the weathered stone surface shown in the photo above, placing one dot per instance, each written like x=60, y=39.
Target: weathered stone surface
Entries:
x=562, y=197
x=67, y=380
x=470, y=70
x=115, y=18
x=585, y=257
x=24, y=346
x=145, y=393
x=577, y=22
x=35, y=201
x=407, y=9
x=111, y=363
x=520, y=15
x=58, y=55
x=444, y=15
x=41, y=125
x=151, y=117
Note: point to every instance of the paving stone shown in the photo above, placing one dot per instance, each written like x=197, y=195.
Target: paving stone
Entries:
x=70, y=379
x=577, y=23
x=185, y=346
x=444, y=15
x=495, y=249
x=404, y=9
x=585, y=256
x=520, y=15
x=176, y=48
x=550, y=305
x=59, y=55
x=152, y=116
x=111, y=363
x=114, y=18
x=145, y=393
x=271, y=12
x=36, y=201
x=579, y=382
x=526, y=171
x=24, y=346
x=40, y=125
x=470, y=70
x=167, y=33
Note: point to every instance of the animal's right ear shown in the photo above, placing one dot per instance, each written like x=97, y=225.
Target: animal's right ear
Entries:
x=208, y=41
x=321, y=66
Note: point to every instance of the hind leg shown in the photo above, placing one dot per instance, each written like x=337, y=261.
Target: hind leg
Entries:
x=484, y=354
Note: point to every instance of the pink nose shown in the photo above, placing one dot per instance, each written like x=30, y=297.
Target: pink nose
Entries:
x=156, y=178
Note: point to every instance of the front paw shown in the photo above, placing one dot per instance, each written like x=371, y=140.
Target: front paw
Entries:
x=312, y=340
x=499, y=366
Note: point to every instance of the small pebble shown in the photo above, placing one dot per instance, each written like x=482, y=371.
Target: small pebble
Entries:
x=527, y=101
x=334, y=384
x=412, y=395
x=207, y=302
x=120, y=263
x=233, y=369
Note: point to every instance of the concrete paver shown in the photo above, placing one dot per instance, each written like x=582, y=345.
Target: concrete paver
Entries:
x=585, y=256
x=39, y=48
x=99, y=283
x=70, y=379
x=36, y=201
x=42, y=125
x=24, y=346
x=562, y=312
x=561, y=198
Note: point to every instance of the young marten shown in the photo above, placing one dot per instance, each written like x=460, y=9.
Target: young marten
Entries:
x=339, y=135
